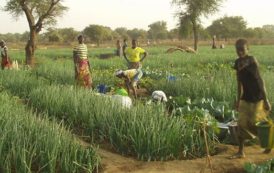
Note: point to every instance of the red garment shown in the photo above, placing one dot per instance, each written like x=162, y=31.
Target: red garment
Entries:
x=5, y=63
x=83, y=76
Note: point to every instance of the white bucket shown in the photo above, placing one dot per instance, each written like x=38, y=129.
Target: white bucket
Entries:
x=124, y=101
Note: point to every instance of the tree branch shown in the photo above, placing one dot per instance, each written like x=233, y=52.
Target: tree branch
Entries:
x=28, y=13
x=48, y=13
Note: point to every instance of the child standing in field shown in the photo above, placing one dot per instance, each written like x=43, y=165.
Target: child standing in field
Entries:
x=81, y=62
x=252, y=103
x=6, y=62
x=132, y=55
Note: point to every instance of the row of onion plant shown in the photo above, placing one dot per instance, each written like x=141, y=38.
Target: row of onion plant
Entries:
x=31, y=143
x=145, y=132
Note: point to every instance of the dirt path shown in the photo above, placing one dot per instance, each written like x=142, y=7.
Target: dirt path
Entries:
x=114, y=163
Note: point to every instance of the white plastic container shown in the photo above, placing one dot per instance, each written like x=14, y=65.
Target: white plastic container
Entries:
x=124, y=101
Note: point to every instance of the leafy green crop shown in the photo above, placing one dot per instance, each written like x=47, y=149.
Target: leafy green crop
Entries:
x=32, y=143
x=266, y=167
x=146, y=132
x=221, y=111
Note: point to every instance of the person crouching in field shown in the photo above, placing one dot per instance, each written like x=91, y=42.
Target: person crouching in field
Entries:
x=131, y=77
x=81, y=62
x=252, y=103
x=132, y=55
x=6, y=62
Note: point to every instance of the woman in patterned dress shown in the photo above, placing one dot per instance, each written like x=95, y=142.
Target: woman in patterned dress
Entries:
x=82, y=66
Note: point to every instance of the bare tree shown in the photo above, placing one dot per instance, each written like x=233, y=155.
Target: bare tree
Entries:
x=39, y=13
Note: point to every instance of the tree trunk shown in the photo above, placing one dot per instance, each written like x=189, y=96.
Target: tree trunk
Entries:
x=30, y=48
x=195, y=33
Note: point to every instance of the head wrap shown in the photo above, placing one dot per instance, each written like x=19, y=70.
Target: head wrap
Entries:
x=2, y=42
x=118, y=72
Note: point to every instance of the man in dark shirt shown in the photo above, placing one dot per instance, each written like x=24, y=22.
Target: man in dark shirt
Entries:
x=252, y=103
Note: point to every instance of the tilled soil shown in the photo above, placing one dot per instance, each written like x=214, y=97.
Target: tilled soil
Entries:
x=115, y=163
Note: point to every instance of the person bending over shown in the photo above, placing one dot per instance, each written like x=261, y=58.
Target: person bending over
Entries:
x=131, y=78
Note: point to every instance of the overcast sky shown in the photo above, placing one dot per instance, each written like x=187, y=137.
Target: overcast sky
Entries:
x=141, y=13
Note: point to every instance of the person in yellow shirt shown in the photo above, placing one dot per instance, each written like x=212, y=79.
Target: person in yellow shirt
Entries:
x=133, y=55
x=131, y=77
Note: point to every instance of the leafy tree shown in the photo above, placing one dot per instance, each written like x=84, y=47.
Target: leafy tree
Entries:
x=115, y=35
x=24, y=36
x=109, y=33
x=122, y=32
x=185, y=30
x=259, y=33
x=137, y=33
x=158, y=30
x=173, y=34
x=98, y=33
x=249, y=33
x=53, y=35
x=228, y=27
x=203, y=33
x=185, y=26
x=190, y=12
x=269, y=28
x=268, y=31
x=68, y=34
x=10, y=37
x=39, y=14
